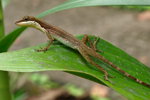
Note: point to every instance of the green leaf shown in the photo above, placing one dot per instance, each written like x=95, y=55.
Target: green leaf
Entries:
x=61, y=57
x=5, y=43
x=84, y=3
x=7, y=40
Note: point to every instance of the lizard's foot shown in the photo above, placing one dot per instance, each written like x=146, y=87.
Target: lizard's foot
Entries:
x=94, y=44
x=106, y=78
x=42, y=49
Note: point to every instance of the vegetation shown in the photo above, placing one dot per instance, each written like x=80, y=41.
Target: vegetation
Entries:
x=27, y=60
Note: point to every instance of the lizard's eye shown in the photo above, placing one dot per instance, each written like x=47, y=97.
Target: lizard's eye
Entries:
x=26, y=19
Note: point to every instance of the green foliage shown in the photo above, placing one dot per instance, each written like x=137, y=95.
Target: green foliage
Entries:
x=73, y=90
x=27, y=60
x=4, y=77
x=42, y=81
x=136, y=8
x=61, y=57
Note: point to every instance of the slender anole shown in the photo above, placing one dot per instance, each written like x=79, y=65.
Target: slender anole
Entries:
x=64, y=37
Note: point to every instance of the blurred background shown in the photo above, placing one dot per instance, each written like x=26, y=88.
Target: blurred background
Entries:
x=126, y=27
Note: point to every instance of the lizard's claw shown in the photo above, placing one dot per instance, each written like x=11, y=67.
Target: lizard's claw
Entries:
x=99, y=51
x=106, y=78
x=42, y=49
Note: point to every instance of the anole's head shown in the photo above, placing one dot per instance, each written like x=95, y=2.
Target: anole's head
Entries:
x=30, y=21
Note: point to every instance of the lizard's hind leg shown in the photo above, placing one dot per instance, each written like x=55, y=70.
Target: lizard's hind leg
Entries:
x=86, y=56
x=93, y=46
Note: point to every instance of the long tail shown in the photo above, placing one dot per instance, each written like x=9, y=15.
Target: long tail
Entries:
x=123, y=72
x=94, y=54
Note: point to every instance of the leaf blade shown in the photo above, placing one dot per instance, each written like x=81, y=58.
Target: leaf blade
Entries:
x=66, y=59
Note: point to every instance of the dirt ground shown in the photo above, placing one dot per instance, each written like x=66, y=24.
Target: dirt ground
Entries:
x=119, y=27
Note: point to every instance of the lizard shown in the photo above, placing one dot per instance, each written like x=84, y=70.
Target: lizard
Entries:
x=53, y=32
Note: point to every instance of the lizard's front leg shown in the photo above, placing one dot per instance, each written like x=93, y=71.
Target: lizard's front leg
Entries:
x=50, y=42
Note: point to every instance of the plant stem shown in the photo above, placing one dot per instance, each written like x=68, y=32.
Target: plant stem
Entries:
x=1, y=21
x=4, y=86
x=4, y=78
